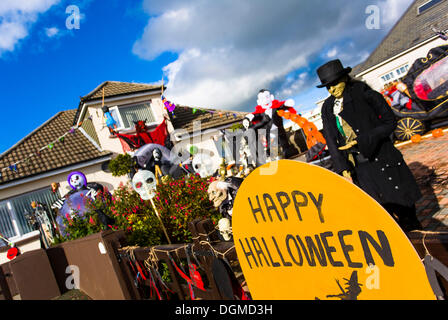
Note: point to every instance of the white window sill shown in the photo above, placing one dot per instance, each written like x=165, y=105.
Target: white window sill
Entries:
x=25, y=236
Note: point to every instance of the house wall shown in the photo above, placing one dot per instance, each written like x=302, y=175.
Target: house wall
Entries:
x=94, y=173
x=202, y=142
x=114, y=144
x=373, y=77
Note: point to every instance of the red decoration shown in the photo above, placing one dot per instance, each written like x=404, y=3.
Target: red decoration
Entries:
x=12, y=253
x=143, y=136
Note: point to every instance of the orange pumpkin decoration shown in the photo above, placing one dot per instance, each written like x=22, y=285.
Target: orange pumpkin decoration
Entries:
x=437, y=133
x=416, y=138
x=281, y=113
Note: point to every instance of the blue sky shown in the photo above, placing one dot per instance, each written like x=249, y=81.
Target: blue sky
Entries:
x=211, y=53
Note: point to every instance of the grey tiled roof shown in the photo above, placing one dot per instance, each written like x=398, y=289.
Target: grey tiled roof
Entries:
x=184, y=118
x=74, y=149
x=114, y=89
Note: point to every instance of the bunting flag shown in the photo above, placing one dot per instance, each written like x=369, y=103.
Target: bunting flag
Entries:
x=170, y=107
x=14, y=167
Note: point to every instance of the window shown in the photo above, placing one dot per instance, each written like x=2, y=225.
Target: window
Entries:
x=427, y=6
x=13, y=222
x=432, y=84
x=126, y=115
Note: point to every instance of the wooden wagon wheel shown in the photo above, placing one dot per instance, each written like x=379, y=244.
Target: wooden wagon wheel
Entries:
x=407, y=127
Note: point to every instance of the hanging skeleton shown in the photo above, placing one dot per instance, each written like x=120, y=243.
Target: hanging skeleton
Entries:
x=45, y=222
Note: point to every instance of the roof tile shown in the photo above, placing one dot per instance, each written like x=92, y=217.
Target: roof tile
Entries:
x=410, y=30
x=74, y=149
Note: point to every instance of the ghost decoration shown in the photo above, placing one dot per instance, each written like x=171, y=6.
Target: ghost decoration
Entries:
x=74, y=202
x=204, y=165
x=144, y=183
x=154, y=155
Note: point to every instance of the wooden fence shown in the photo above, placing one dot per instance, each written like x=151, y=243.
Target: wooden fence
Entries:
x=206, y=269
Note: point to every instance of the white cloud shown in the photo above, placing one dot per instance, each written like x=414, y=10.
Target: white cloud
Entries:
x=228, y=50
x=51, y=32
x=332, y=53
x=16, y=18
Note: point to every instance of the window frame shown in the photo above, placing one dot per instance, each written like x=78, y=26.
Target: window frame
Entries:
x=428, y=8
x=120, y=124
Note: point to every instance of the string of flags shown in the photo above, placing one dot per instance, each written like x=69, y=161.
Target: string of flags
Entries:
x=170, y=107
x=14, y=167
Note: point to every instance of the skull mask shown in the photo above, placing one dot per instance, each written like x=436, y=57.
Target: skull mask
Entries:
x=225, y=228
x=217, y=192
x=144, y=182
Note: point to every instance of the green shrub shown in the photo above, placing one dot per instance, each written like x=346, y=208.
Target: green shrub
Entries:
x=121, y=165
x=177, y=201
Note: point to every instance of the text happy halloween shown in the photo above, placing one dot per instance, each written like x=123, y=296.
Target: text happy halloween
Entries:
x=314, y=250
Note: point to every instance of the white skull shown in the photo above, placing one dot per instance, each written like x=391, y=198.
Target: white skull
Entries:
x=144, y=182
x=225, y=228
x=204, y=165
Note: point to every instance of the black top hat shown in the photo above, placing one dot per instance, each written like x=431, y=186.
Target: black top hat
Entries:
x=331, y=72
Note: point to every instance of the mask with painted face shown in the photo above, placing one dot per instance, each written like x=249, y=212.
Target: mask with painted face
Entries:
x=265, y=99
x=337, y=90
x=217, y=192
x=77, y=180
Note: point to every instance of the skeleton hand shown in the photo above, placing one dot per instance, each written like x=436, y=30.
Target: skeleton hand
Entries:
x=349, y=145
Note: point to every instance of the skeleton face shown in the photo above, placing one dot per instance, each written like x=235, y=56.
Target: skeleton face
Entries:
x=225, y=228
x=217, y=193
x=144, y=182
x=77, y=181
x=203, y=164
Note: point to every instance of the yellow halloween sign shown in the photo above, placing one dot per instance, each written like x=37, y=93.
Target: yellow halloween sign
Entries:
x=304, y=232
